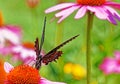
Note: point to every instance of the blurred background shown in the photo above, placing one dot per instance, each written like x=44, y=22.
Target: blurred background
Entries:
x=71, y=66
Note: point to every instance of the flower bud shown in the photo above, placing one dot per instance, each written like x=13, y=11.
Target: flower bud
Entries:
x=32, y=3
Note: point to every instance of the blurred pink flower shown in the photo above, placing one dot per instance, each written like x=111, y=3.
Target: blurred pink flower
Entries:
x=9, y=35
x=102, y=9
x=111, y=65
x=10, y=70
x=25, y=52
x=32, y=3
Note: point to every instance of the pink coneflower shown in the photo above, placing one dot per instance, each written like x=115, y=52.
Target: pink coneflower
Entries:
x=24, y=74
x=24, y=52
x=9, y=35
x=111, y=65
x=101, y=8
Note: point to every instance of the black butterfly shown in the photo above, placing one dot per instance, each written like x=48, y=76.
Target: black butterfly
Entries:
x=51, y=55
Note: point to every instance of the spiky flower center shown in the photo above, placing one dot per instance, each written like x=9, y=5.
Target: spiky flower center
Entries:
x=2, y=72
x=91, y=2
x=23, y=74
x=1, y=19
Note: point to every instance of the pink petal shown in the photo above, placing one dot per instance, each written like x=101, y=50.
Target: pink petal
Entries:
x=24, y=54
x=5, y=50
x=65, y=13
x=112, y=10
x=81, y=12
x=15, y=29
x=117, y=69
x=91, y=8
x=111, y=18
x=9, y=35
x=59, y=7
x=100, y=12
x=117, y=55
x=45, y=81
x=112, y=13
x=113, y=4
x=8, y=67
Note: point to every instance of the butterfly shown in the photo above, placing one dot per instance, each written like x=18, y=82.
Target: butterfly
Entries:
x=51, y=55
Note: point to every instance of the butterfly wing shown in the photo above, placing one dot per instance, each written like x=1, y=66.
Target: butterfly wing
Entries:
x=37, y=47
x=37, y=50
x=54, y=54
x=51, y=57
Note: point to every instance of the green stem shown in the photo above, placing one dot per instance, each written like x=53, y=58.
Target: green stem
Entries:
x=58, y=40
x=106, y=79
x=88, y=39
x=35, y=26
x=59, y=34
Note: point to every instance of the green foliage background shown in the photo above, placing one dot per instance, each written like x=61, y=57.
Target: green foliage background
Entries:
x=105, y=39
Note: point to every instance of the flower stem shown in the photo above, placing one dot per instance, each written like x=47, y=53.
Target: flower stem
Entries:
x=59, y=34
x=35, y=26
x=88, y=47
x=58, y=40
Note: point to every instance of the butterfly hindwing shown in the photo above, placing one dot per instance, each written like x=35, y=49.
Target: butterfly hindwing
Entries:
x=51, y=57
x=54, y=54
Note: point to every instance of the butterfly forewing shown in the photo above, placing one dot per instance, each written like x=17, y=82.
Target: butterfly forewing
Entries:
x=51, y=55
x=54, y=54
x=37, y=47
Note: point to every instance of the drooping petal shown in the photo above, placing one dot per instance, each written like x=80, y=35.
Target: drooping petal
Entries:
x=65, y=13
x=9, y=35
x=45, y=81
x=59, y=7
x=8, y=67
x=110, y=17
x=100, y=12
x=117, y=16
x=81, y=12
x=113, y=4
x=15, y=29
x=114, y=13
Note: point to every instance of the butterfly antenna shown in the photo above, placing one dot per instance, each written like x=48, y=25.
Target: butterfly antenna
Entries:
x=43, y=35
